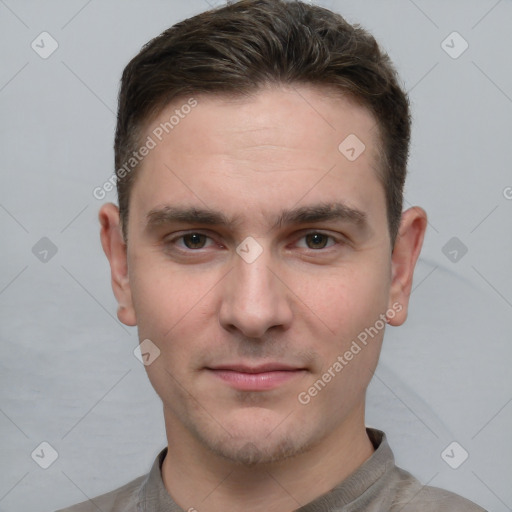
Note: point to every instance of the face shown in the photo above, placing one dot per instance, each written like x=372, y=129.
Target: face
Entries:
x=258, y=258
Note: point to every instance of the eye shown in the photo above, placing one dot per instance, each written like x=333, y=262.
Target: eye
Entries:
x=316, y=240
x=192, y=240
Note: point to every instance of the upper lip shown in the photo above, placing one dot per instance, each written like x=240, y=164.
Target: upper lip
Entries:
x=263, y=368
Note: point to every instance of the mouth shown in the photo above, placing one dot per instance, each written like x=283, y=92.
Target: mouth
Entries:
x=256, y=378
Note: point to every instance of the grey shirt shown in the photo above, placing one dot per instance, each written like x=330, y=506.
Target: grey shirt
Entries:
x=376, y=486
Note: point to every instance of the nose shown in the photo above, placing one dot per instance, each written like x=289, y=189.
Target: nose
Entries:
x=255, y=298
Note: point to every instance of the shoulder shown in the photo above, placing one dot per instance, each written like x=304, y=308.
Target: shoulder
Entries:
x=412, y=496
x=123, y=499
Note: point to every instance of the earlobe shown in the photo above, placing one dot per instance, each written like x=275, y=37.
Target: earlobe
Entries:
x=116, y=251
x=403, y=260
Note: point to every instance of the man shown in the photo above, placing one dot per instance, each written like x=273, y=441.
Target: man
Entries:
x=260, y=248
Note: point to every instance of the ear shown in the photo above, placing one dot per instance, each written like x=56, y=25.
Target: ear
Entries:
x=403, y=260
x=115, y=250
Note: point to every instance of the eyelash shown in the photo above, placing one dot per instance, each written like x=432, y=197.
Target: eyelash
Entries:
x=337, y=241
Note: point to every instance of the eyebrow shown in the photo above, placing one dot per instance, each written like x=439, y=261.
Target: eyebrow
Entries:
x=323, y=212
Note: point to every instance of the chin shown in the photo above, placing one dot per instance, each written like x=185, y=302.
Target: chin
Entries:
x=257, y=441
x=257, y=452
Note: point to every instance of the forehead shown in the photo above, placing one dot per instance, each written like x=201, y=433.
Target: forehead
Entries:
x=268, y=150
x=296, y=116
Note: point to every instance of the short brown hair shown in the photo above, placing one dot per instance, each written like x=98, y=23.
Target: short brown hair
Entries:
x=236, y=49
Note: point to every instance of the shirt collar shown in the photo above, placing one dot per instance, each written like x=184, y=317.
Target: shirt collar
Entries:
x=153, y=496
x=365, y=477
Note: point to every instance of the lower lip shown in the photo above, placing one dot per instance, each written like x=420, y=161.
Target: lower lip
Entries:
x=256, y=381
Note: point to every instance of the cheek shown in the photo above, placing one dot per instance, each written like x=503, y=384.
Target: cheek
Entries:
x=164, y=295
x=350, y=304
x=166, y=305
x=347, y=301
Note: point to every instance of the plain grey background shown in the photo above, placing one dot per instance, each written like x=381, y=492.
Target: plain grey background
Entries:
x=68, y=373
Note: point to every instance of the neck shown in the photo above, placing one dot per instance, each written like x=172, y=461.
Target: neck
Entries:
x=198, y=479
